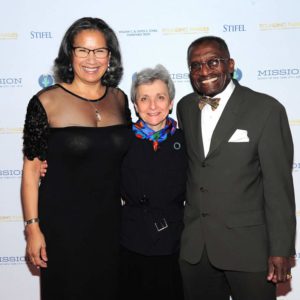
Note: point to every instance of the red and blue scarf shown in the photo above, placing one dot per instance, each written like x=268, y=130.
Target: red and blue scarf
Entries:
x=142, y=131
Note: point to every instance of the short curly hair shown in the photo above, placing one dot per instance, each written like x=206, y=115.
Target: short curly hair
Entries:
x=62, y=70
x=208, y=39
x=148, y=75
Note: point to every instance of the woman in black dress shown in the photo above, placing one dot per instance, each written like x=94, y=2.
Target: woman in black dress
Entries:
x=80, y=125
x=153, y=192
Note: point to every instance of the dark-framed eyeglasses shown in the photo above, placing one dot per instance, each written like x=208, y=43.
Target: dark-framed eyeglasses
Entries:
x=211, y=64
x=82, y=52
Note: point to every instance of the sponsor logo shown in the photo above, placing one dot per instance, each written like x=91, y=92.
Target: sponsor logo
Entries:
x=40, y=35
x=180, y=77
x=139, y=32
x=5, y=219
x=296, y=166
x=237, y=74
x=8, y=35
x=10, y=82
x=294, y=122
x=185, y=30
x=13, y=260
x=233, y=28
x=11, y=130
x=288, y=73
x=176, y=77
x=46, y=80
x=10, y=173
x=279, y=26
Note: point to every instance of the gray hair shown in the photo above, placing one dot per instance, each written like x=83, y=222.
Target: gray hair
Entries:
x=148, y=75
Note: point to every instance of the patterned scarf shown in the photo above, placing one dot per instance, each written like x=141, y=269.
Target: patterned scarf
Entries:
x=142, y=131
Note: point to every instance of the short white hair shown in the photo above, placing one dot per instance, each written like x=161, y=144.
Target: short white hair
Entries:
x=148, y=75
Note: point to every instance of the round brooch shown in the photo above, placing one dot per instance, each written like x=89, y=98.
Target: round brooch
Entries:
x=177, y=145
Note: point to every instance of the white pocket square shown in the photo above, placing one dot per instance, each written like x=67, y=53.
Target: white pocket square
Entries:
x=239, y=136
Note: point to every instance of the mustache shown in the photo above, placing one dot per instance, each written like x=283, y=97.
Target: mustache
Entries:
x=196, y=83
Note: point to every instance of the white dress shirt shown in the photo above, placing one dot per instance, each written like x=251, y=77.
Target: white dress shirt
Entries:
x=210, y=118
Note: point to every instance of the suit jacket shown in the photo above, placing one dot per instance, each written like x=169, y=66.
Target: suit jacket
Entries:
x=240, y=197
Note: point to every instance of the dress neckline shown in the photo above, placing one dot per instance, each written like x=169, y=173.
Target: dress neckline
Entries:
x=74, y=127
x=82, y=98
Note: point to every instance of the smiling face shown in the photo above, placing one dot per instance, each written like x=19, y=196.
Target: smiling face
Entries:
x=210, y=81
x=90, y=69
x=153, y=104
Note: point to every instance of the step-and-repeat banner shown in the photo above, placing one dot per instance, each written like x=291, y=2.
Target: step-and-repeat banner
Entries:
x=264, y=39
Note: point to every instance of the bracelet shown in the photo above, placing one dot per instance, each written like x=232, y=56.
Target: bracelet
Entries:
x=31, y=221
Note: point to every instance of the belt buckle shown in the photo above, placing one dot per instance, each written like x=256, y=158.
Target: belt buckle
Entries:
x=160, y=226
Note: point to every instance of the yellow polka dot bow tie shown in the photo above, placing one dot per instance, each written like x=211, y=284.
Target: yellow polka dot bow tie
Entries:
x=213, y=102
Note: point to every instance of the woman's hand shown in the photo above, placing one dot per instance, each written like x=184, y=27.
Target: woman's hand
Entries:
x=36, y=246
x=43, y=169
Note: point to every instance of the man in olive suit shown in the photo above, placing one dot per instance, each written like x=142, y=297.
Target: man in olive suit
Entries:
x=240, y=209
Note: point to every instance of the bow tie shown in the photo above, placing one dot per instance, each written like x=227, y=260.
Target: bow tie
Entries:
x=213, y=102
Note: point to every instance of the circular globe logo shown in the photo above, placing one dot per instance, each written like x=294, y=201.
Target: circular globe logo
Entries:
x=133, y=77
x=46, y=80
x=237, y=74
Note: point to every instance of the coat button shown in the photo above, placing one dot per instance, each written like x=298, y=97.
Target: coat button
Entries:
x=202, y=189
x=203, y=164
x=144, y=200
x=204, y=215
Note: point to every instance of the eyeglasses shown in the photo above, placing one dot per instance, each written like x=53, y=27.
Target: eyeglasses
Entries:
x=82, y=52
x=211, y=64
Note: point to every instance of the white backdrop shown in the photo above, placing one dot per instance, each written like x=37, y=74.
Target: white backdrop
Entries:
x=264, y=39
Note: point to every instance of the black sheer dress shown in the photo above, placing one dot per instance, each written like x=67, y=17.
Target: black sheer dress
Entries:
x=79, y=199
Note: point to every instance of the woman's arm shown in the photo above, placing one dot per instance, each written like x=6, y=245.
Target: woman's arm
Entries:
x=36, y=246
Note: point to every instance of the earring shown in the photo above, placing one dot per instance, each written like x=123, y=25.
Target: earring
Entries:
x=70, y=69
x=108, y=68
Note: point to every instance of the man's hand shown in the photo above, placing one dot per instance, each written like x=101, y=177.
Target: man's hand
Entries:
x=279, y=269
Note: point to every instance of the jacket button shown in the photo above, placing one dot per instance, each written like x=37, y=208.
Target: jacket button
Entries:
x=204, y=215
x=203, y=164
x=144, y=200
x=202, y=189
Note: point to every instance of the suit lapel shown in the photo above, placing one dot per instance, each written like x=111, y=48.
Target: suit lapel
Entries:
x=227, y=121
x=195, y=119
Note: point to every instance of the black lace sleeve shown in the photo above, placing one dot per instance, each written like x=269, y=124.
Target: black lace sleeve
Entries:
x=36, y=130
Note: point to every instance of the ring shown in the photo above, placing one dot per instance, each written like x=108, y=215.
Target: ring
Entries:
x=289, y=276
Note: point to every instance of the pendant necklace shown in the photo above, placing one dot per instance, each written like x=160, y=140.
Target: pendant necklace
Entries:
x=92, y=102
x=95, y=108
x=97, y=112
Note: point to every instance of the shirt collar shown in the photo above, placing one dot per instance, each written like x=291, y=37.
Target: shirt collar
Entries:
x=225, y=95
